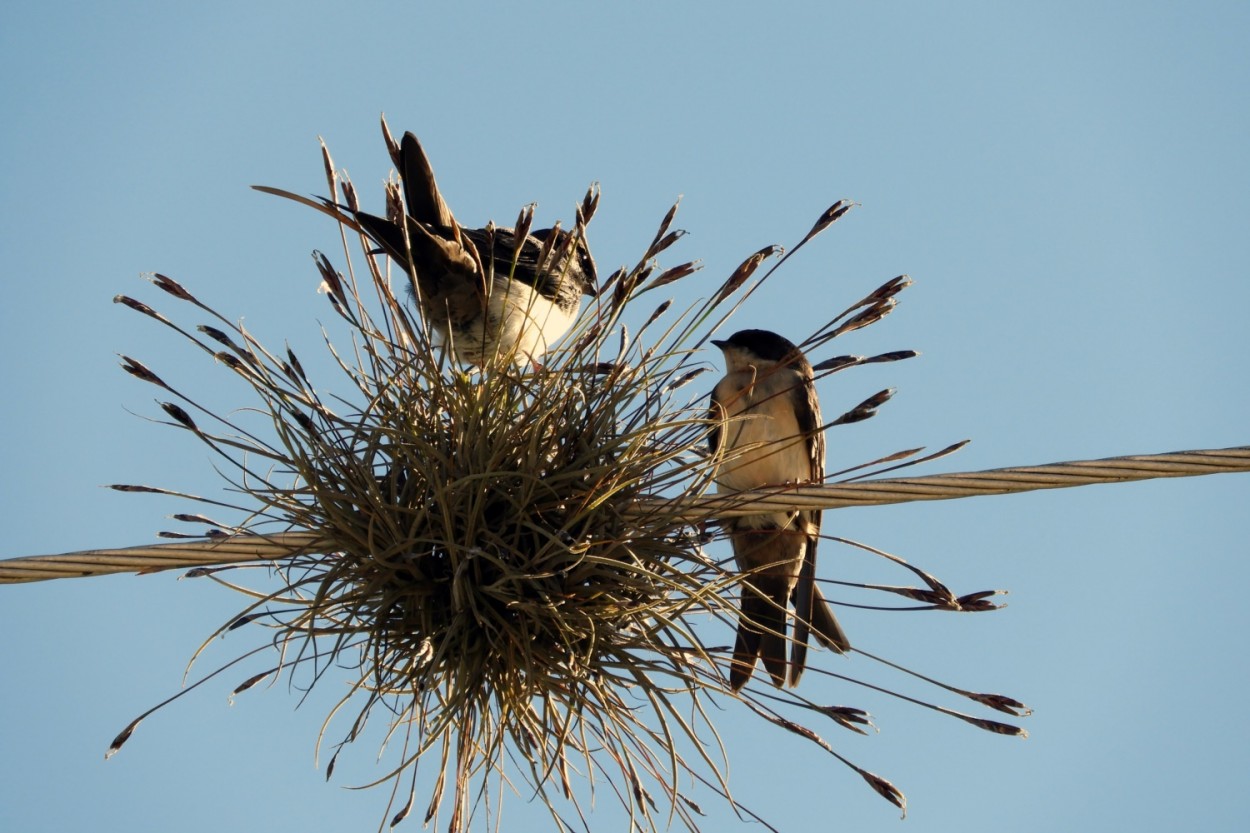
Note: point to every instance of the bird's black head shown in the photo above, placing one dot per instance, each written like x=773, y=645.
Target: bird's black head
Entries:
x=765, y=344
x=590, y=285
x=582, y=269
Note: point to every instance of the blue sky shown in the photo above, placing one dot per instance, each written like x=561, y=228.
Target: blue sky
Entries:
x=1067, y=185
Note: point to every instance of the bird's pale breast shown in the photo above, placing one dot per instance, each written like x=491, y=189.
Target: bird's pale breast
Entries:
x=516, y=314
x=762, y=420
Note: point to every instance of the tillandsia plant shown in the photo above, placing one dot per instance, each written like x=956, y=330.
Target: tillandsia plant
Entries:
x=500, y=554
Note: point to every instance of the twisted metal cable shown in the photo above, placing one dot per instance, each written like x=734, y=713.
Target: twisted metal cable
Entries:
x=244, y=548
x=970, y=484
x=185, y=554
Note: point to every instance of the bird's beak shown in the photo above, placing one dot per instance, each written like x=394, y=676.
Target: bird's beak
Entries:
x=719, y=343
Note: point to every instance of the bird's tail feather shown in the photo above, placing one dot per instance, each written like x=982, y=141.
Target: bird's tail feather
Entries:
x=425, y=202
x=825, y=625
x=762, y=634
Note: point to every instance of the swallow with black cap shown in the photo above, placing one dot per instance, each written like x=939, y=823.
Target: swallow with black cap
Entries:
x=481, y=304
x=769, y=433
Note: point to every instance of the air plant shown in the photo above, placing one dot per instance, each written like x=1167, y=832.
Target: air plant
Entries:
x=500, y=557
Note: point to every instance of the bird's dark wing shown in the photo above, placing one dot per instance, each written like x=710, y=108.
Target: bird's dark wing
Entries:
x=716, y=413
x=807, y=413
x=552, y=276
x=825, y=625
x=387, y=235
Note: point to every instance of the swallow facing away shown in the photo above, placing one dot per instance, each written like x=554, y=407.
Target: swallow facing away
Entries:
x=770, y=429
x=464, y=280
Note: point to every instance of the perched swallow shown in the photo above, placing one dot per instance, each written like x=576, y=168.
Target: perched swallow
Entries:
x=464, y=281
x=770, y=429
